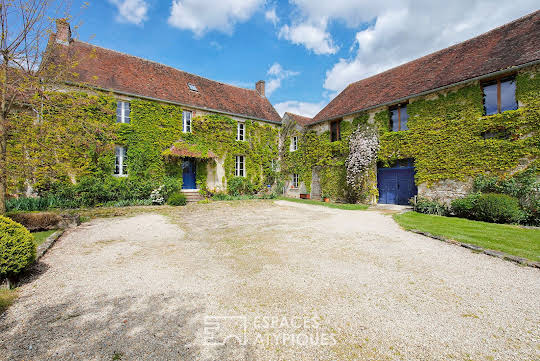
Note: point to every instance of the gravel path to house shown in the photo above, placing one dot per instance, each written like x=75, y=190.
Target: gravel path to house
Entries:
x=338, y=285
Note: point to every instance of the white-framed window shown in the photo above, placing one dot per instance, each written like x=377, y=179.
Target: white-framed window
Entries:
x=294, y=143
x=240, y=166
x=122, y=112
x=186, y=122
x=120, y=163
x=295, y=179
x=240, y=132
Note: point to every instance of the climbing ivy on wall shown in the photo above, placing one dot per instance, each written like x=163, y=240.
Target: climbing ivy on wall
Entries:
x=445, y=135
x=445, y=138
x=78, y=132
x=73, y=136
x=217, y=133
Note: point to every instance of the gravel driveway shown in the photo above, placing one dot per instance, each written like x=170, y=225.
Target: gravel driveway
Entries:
x=302, y=282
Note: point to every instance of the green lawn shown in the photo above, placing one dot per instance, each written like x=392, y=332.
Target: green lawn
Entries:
x=329, y=205
x=40, y=237
x=510, y=239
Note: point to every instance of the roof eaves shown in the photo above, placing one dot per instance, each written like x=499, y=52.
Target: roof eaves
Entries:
x=172, y=102
x=400, y=100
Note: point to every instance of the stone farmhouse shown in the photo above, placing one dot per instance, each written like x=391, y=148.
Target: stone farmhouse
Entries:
x=439, y=121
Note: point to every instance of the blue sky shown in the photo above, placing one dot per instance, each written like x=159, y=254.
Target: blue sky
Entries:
x=306, y=51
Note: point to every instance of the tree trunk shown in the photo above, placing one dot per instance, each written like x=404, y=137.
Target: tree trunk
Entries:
x=3, y=137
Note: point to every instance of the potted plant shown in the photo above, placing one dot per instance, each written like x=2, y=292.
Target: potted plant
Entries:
x=325, y=198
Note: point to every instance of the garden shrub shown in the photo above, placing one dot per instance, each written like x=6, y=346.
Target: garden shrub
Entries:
x=237, y=186
x=498, y=208
x=17, y=248
x=428, y=206
x=34, y=222
x=465, y=207
x=177, y=199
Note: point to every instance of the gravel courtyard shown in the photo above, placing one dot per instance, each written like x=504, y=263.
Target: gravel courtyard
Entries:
x=302, y=282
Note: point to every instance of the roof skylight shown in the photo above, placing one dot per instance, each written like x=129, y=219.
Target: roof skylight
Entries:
x=192, y=87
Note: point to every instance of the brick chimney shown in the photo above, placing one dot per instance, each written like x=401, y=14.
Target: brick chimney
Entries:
x=259, y=86
x=63, y=32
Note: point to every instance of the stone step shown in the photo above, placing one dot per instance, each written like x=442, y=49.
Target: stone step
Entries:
x=192, y=195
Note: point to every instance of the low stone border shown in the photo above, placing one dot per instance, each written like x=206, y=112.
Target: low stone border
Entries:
x=44, y=247
x=475, y=248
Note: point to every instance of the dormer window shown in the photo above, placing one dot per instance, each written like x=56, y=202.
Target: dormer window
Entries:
x=192, y=87
x=122, y=112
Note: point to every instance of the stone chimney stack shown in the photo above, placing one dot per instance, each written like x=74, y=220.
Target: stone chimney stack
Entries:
x=63, y=32
x=259, y=86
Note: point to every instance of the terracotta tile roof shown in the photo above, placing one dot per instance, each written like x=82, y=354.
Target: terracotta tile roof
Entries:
x=112, y=70
x=510, y=45
x=300, y=120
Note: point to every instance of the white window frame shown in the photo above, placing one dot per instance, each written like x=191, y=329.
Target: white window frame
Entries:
x=295, y=181
x=240, y=166
x=294, y=144
x=125, y=116
x=186, y=123
x=120, y=161
x=240, y=132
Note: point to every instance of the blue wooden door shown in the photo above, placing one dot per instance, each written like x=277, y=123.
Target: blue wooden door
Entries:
x=396, y=185
x=188, y=174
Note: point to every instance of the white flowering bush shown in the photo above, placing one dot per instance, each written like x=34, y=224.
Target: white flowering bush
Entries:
x=363, y=148
x=157, y=196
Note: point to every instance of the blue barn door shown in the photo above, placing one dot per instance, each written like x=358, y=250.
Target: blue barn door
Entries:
x=396, y=184
x=189, y=174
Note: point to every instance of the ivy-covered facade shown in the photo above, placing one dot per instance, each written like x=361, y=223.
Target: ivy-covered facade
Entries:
x=449, y=138
x=106, y=120
x=406, y=132
x=427, y=127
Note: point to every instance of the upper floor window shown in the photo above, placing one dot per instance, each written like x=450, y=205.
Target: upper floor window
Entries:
x=240, y=131
x=499, y=95
x=186, y=123
x=122, y=112
x=239, y=166
x=294, y=143
x=120, y=163
x=295, y=180
x=399, y=118
x=335, y=131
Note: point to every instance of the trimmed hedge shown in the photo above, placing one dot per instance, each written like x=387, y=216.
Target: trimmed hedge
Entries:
x=17, y=248
x=489, y=207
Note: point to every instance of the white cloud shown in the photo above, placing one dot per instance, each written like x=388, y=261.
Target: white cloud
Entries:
x=313, y=36
x=131, y=11
x=271, y=16
x=277, y=74
x=410, y=32
x=200, y=16
x=301, y=108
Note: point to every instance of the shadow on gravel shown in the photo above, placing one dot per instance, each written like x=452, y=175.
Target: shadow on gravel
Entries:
x=127, y=327
x=32, y=273
x=159, y=327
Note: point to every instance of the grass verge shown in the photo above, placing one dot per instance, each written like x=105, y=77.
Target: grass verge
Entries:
x=514, y=240
x=40, y=237
x=346, y=206
x=7, y=297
